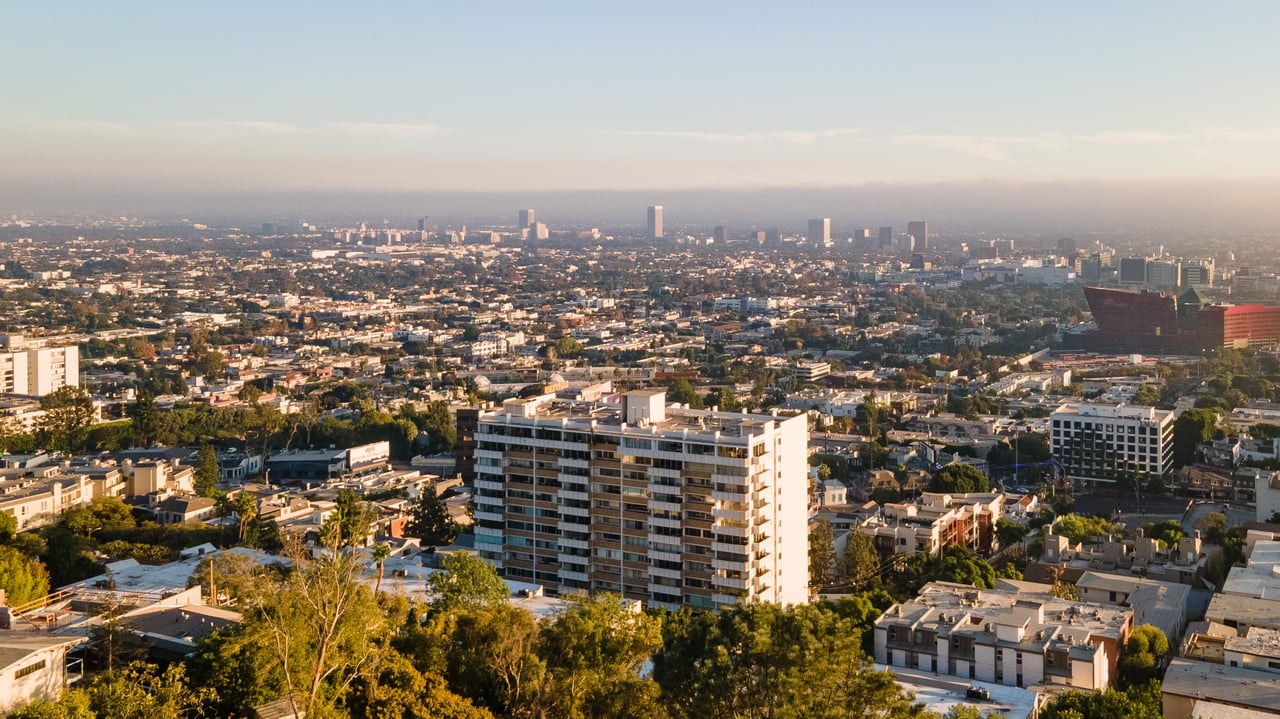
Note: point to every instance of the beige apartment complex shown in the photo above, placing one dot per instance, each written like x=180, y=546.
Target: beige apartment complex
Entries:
x=671, y=506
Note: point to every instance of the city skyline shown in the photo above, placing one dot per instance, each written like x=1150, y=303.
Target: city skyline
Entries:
x=242, y=98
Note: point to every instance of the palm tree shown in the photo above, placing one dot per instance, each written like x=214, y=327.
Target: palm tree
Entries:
x=380, y=554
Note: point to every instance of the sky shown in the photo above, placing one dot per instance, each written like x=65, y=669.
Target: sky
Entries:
x=229, y=96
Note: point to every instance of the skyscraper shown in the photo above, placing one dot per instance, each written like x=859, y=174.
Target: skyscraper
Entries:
x=820, y=231
x=919, y=229
x=885, y=236
x=655, y=223
x=720, y=234
x=425, y=224
x=526, y=218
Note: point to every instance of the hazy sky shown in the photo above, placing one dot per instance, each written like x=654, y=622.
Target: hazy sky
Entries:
x=374, y=96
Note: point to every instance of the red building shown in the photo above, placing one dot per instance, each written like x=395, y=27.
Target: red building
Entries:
x=1155, y=322
x=1239, y=325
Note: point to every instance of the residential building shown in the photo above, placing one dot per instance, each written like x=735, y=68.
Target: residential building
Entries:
x=34, y=666
x=1095, y=442
x=1018, y=634
x=812, y=371
x=39, y=371
x=1204, y=689
x=936, y=522
x=671, y=506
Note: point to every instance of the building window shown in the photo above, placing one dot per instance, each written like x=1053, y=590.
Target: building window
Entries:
x=28, y=670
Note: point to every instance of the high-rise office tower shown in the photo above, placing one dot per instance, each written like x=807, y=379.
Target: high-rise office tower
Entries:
x=671, y=506
x=720, y=234
x=527, y=218
x=820, y=231
x=424, y=224
x=885, y=236
x=773, y=236
x=919, y=229
x=761, y=237
x=655, y=223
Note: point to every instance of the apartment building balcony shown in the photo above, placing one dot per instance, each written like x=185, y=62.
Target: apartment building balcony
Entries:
x=721, y=583
x=731, y=514
x=482, y=515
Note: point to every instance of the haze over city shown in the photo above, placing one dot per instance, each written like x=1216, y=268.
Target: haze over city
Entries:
x=1104, y=115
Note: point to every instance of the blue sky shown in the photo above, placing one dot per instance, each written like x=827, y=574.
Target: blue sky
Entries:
x=566, y=95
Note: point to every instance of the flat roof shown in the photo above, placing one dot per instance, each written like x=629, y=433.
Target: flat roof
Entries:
x=1234, y=686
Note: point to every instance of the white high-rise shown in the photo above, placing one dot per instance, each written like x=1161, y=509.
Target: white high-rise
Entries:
x=39, y=371
x=655, y=223
x=672, y=506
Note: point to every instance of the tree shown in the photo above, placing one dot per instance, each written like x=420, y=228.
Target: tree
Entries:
x=1168, y=532
x=960, y=565
x=598, y=645
x=822, y=553
x=8, y=527
x=761, y=660
x=680, y=391
x=101, y=513
x=1147, y=396
x=431, y=520
x=1009, y=532
x=1191, y=428
x=22, y=578
x=68, y=412
x=1144, y=654
x=568, y=348
x=321, y=627
x=859, y=563
x=146, y=418
x=399, y=690
x=380, y=555
x=350, y=522
x=466, y=581
x=956, y=478
x=1079, y=528
x=208, y=473
x=1133, y=703
x=723, y=399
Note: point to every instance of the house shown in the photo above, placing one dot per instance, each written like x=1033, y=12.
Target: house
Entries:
x=180, y=510
x=34, y=666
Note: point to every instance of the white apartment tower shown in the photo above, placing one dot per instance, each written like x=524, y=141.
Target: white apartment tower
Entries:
x=39, y=371
x=671, y=506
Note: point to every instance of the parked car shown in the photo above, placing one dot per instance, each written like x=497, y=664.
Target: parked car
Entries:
x=975, y=692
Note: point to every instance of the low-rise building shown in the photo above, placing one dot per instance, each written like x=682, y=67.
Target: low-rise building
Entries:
x=34, y=666
x=1018, y=634
x=936, y=522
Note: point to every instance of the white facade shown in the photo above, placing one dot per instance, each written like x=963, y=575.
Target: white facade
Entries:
x=1015, y=635
x=39, y=371
x=1097, y=441
x=670, y=506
